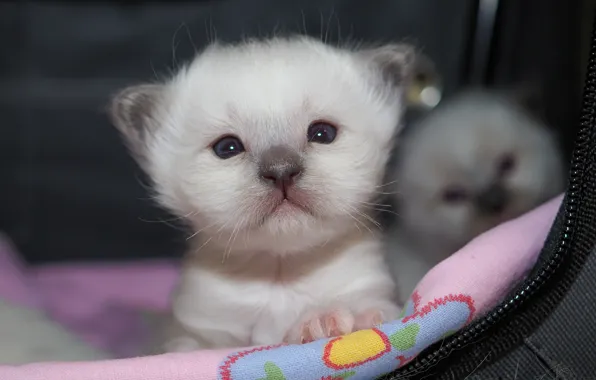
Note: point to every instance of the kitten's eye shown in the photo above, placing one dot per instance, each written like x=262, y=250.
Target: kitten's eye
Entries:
x=321, y=132
x=454, y=194
x=227, y=147
x=506, y=164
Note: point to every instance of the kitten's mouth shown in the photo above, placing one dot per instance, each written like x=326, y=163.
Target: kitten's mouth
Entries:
x=288, y=204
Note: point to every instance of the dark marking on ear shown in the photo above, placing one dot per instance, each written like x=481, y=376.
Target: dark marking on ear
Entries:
x=529, y=97
x=424, y=71
x=396, y=61
x=132, y=112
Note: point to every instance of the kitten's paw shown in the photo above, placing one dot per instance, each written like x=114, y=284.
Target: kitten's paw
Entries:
x=374, y=317
x=320, y=325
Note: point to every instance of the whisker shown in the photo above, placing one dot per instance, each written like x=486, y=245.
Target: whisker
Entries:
x=380, y=209
x=374, y=204
x=162, y=220
x=322, y=22
x=325, y=243
x=236, y=234
x=376, y=192
x=367, y=217
x=156, y=76
x=338, y=31
x=370, y=219
x=223, y=226
x=365, y=225
x=220, y=230
x=175, y=45
x=192, y=42
x=199, y=231
x=173, y=226
x=355, y=219
x=305, y=31
x=387, y=184
x=246, y=236
x=328, y=25
x=386, y=192
x=202, y=245
x=213, y=29
x=387, y=211
x=231, y=239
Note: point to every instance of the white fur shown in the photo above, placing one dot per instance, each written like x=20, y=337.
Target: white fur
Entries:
x=461, y=143
x=254, y=276
x=255, y=299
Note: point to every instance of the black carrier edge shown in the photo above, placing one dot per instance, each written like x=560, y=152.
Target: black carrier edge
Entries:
x=572, y=238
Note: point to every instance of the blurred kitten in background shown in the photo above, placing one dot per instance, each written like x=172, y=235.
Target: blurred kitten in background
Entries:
x=475, y=161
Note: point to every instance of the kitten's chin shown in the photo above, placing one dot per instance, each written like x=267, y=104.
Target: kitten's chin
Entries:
x=295, y=225
x=287, y=231
x=277, y=225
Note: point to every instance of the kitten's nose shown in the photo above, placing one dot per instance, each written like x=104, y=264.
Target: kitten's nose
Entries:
x=280, y=166
x=493, y=200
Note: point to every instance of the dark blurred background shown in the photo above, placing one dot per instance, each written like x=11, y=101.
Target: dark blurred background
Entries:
x=70, y=192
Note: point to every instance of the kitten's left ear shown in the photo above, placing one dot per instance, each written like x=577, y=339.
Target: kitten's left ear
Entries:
x=132, y=112
x=397, y=62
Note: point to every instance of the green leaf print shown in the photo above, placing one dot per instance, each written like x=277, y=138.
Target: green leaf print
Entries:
x=405, y=338
x=273, y=372
x=345, y=375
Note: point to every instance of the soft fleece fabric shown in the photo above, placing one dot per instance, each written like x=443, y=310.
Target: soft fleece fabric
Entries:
x=454, y=293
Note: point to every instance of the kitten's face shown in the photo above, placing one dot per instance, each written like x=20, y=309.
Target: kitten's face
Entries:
x=473, y=164
x=273, y=146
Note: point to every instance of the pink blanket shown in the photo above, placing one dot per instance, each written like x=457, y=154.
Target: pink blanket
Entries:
x=102, y=303
x=90, y=300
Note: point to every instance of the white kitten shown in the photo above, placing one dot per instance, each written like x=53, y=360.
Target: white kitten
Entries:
x=475, y=161
x=271, y=150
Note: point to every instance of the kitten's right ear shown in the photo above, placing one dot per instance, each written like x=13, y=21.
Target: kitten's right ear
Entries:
x=529, y=96
x=396, y=62
x=132, y=112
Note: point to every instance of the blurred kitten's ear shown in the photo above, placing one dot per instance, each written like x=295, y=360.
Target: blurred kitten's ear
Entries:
x=132, y=112
x=396, y=61
x=528, y=97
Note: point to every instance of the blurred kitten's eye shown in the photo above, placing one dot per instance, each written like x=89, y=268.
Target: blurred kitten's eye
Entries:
x=228, y=146
x=321, y=132
x=506, y=164
x=454, y=194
